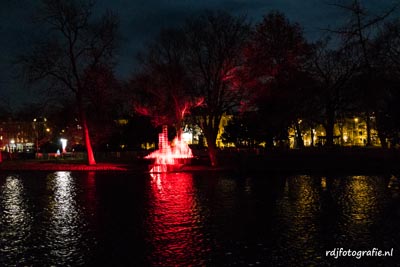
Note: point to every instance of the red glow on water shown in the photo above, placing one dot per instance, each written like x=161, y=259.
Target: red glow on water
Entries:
x=176, y=234
x=169, y=156
x=90, y=192
x=91, y=179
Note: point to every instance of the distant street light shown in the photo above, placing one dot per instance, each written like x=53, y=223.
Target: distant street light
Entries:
x=35, y=126
x=355, y=131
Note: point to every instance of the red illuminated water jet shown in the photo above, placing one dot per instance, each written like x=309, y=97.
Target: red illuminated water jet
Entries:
x=169, y=156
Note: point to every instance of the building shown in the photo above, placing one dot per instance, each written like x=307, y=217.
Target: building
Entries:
x=16, y=136
x=22, y=136
x=348, y=131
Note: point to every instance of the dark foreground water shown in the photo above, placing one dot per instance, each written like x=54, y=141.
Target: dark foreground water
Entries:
x=200, y=219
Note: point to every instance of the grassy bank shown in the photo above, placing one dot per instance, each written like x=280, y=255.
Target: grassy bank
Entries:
x=356, y=160
x=36, y=165
x=316, y=160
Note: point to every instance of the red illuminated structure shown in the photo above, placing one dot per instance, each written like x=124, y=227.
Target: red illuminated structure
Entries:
x=169, y=157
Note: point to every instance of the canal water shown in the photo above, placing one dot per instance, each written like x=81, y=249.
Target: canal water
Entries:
x=196, y=219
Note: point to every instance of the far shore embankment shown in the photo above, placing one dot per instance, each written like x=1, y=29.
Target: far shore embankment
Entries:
x=311, y=160
x=308, y=160
x=44, y=165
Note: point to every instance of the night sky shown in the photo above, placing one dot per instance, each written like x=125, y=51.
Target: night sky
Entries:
x=140, y=21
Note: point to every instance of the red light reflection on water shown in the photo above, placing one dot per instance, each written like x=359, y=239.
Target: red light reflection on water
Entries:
x=90, y=192
x=91, y=179
x=175, y=222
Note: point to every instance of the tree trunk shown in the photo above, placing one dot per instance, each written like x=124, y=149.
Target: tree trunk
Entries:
x=312, y=137
x=299, y=139
x=368, y=122
x=212, y=153
x=269, y=141
x=90, y=155
x=178, y=129
x=329, y=135
x=86, y=135
x=212, y=148
x=381, y=127
x=382, y=138
x=330, y=124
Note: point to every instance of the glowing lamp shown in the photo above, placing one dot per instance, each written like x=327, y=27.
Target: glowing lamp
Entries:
x=63, y=144
x=187, y=137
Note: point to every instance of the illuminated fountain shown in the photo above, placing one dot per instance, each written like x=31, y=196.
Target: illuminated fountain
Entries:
x=169, y=157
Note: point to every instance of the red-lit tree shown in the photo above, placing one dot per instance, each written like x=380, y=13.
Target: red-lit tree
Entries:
x=195, y=68
x=103, y=101
x=214, y=60
x=75, y=44
x=162, y=84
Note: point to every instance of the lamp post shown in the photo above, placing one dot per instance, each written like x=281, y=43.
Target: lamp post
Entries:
x=37, y=135
x=355, y=131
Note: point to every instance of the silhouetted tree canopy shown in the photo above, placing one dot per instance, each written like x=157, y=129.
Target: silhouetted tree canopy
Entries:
x=76, y=45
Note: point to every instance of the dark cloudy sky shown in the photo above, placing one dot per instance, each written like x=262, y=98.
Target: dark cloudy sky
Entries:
x=141, y=20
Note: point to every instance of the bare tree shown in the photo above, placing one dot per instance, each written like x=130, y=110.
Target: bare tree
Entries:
x=215, y=42
x=388, y=45
x=358, y=33
x=386, y=48
x=76, y=44
x=162, y=84
x=194, y=69
x=274, y=59
x=104, y=98
x=333, y=71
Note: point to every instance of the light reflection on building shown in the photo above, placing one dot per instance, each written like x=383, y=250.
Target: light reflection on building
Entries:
x=174, y=220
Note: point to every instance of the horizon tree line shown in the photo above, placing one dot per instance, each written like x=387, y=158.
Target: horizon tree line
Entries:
x=267, y=74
